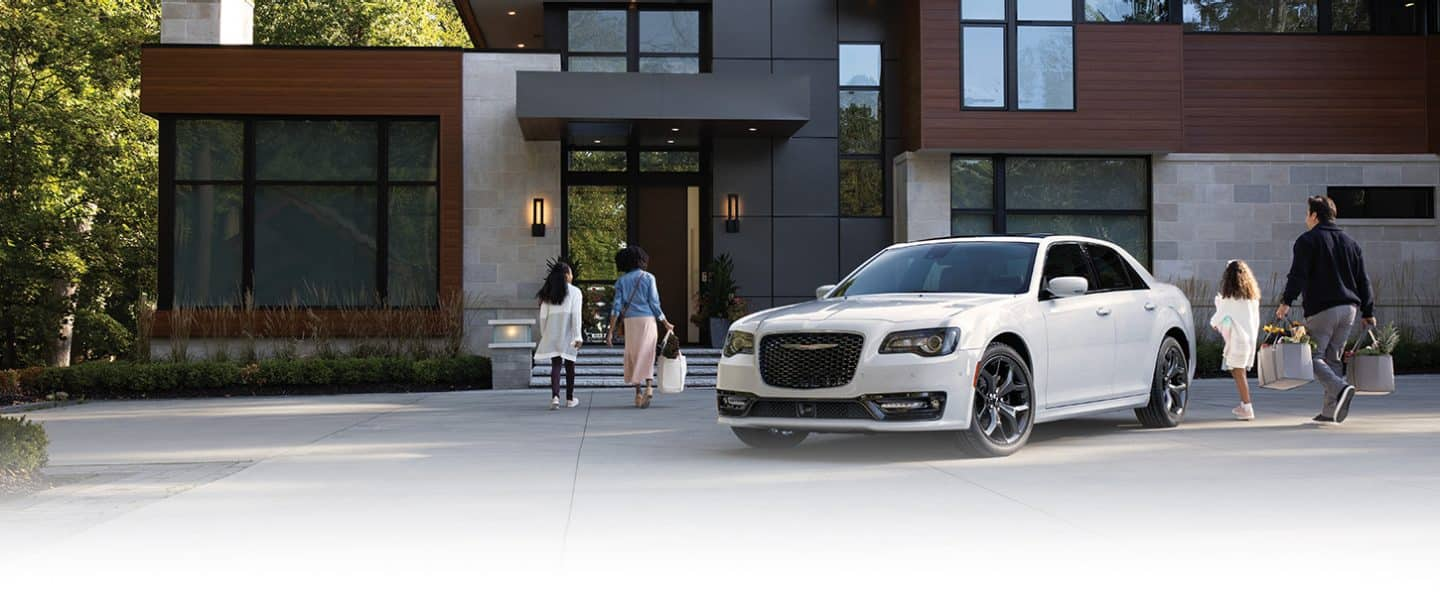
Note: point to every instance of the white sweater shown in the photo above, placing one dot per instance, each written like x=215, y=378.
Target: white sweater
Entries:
x=1238, y=321
x=560, y=326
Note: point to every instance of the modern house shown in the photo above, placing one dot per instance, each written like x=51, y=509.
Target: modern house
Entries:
x=796, y=136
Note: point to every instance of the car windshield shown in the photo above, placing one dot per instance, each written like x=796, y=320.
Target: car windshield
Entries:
x=989, y=267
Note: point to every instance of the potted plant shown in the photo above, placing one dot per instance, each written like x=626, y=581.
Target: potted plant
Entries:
x=718, y=302
x=1372, y=369
x=1283, y=362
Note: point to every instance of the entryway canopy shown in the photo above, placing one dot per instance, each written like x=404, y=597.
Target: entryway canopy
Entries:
x=707, y=103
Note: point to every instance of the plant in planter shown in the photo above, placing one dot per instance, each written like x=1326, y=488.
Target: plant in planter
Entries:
x=719, y=301
x=1372, y=368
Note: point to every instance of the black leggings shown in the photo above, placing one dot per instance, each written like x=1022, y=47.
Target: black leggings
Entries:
x=569, y=377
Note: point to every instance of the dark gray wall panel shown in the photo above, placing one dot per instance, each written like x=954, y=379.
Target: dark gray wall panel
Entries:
x=751, y=250
x=864, y=20
x=742, y=166
x=755, y=304
x=803, y=29
x=861, y=238
x=807, y=177
x=742, y=28
x=783, y=301
x=740, y=67
x=824, y=94
x=893, y=93
x=806, y=255
x=893, y=149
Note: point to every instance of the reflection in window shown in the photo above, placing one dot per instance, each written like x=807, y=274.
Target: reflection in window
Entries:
x=1350, y=15
x=1411, y=202
x=209, y=149
x=862, y=138
x=859, y=65
x=667, y=41
x=310, y=150
x=984, y=66
x=208, y=245
x=669, y=32
x=1045, y=75
x=859, y=122
x=1132, y=11
x=1044, y=10
x=1250, y=16
x=595, y=228
x=670, y=161
x=684, y=66
x=597, y=64
x=862, y=191
x=605, y=161
x=597, y=31
x=985, y=10
x=414, y=151
x=972, y=183
x=414, y=248
x=315, y=245
x=1076, y=183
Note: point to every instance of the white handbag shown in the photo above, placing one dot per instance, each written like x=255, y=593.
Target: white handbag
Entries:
x=672, y=374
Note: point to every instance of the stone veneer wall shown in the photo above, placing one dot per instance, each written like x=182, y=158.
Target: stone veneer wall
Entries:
x=207, y=22
x=922, y=195
x=503, y=263
x=1210, y=208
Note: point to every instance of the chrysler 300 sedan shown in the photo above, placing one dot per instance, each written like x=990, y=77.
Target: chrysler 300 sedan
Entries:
x=981, y=337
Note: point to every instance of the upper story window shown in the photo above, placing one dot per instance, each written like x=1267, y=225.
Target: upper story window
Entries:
x=627, y=40
x=1289, y=16
x=862, y=142
x=1127, y=11
x=1018, y=54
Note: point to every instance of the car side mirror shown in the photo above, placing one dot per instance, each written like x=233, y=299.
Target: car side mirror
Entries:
x=824, y=290
x=1068, y=286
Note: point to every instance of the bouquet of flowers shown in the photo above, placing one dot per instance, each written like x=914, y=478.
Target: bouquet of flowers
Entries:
x=1291, y=333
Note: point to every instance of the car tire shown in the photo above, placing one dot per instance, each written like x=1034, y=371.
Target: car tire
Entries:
x=1002, y=408
x=1169, y=388
x=770, y=437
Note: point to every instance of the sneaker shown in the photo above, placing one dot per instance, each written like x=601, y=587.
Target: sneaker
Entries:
x=571, y=403
x=1321, y=418
x=554, y=403
x=1342, y=405
x=1243, y=413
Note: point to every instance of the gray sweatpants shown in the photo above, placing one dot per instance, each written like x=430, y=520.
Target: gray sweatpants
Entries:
x=1331, y=330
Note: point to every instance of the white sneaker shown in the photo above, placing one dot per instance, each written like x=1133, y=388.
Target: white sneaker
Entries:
x=571, y=403
x=554, y=403
x=1243, y=412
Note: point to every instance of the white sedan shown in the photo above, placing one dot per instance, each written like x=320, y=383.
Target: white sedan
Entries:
x=983, y=337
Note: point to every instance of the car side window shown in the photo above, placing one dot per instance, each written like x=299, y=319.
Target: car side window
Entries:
x=1063, y=260
x=1111, y=271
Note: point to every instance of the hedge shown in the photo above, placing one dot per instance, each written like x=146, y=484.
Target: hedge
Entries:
x=100, y=379
x=22, y=447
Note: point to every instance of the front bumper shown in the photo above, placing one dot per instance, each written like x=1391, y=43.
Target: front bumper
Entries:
x=873, y=401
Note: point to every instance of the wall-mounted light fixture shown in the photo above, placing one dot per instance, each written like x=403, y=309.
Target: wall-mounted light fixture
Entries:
x=537, y=217
x=732, y=213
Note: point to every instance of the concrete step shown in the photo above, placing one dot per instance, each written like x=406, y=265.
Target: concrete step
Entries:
x=584, y=360
x=617, y=382
x=619, y=370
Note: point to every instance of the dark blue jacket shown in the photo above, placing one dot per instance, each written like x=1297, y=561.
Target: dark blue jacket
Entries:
x=1328, y=270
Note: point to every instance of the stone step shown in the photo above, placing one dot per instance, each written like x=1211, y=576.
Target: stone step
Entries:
x=583, y=360
x=619, y=370
x=606, y=351
x=618, y=382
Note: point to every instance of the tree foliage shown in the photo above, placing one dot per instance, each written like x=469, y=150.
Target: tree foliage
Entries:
x=359, y=23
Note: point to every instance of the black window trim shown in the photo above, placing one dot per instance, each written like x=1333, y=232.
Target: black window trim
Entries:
x=632, y=53
x=1133, y=280
x=877, y=157
x=1428, y=190
x=1011, y=27
x=1044, y=294
x=165, y=282
x=1324, y=22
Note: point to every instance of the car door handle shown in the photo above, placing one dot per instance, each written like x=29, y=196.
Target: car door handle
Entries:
x=1104, y=311
x=1150, y=307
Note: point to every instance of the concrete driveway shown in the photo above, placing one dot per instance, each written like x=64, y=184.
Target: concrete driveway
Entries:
x=421, y=487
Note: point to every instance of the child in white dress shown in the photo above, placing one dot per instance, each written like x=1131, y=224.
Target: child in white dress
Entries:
x=1237, y=318
x=560, y=338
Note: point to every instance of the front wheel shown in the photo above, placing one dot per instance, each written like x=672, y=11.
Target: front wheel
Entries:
x=1003, y=407
x=1170, y=388
x=770, y=438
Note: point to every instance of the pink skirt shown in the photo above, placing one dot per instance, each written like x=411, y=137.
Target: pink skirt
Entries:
x=640, y=339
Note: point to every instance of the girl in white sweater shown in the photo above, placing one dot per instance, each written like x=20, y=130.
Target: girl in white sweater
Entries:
x=1237, y=318
x=560, y=338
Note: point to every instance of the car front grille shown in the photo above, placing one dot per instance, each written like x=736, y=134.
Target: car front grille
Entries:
x=809, y=360
x=782, y=409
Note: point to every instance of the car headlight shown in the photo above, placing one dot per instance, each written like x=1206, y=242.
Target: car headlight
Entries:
x=739, y=342
x=924, y=342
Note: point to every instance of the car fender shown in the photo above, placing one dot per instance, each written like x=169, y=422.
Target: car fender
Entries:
x=1175, y=313
x=1021, y=318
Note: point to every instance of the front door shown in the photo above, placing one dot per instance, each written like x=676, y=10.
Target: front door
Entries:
x=663, y=227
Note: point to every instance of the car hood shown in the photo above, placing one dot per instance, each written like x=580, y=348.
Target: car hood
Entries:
x=933, y=309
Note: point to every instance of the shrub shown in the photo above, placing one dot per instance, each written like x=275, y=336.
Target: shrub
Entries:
x=22, y=447
x=10, y=382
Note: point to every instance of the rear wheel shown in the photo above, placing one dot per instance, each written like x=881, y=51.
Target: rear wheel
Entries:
x=1170, y=388
x=1003, y=407
x=770, y=438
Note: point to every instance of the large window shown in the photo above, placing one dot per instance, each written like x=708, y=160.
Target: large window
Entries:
x=1127, y=11
x=1324, y=16
x=647, y=41
x=298, y=212
x=1416, y=203
x=1019, y=56
x=862, y=142
x=1105, y=198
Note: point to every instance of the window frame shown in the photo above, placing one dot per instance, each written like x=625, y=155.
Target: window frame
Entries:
x=1000, y=212
x=1011, y=25
x=878, y=157
x=165, y=282
x=1430, y=203
x=632, y=53
x=1133, y=280
x=1043, y=293
x=1324, y=21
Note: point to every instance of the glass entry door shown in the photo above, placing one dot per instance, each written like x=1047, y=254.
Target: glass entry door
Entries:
x=596, y=227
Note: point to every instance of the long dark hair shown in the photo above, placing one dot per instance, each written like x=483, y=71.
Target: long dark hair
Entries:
x=632, y=258
x=1238, y=283
x=555, y=288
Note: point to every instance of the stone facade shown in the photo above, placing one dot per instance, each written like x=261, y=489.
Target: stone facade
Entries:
x=207, y=22
x=1210, y=208
x=922, y=195
x=503, y=263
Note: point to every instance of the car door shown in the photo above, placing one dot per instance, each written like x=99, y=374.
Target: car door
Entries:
x=1133, y=312
x=1080, y=333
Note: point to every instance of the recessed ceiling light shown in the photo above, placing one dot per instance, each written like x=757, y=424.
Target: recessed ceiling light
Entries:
x=597, y=141
x=752, y=129
x=521, y=45
x=511, y=13
x=674, y=130
x=670, y=141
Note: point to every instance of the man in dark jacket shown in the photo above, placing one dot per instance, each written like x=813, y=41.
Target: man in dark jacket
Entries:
x=1329, y=271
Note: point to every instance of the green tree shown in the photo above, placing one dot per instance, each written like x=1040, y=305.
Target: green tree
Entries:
x=359, y=23
x=77, y=174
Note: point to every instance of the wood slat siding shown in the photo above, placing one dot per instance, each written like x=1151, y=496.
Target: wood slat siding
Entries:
x=1433, y=76
x=1306, y=94
x=338, y=82
x=1128, y=93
